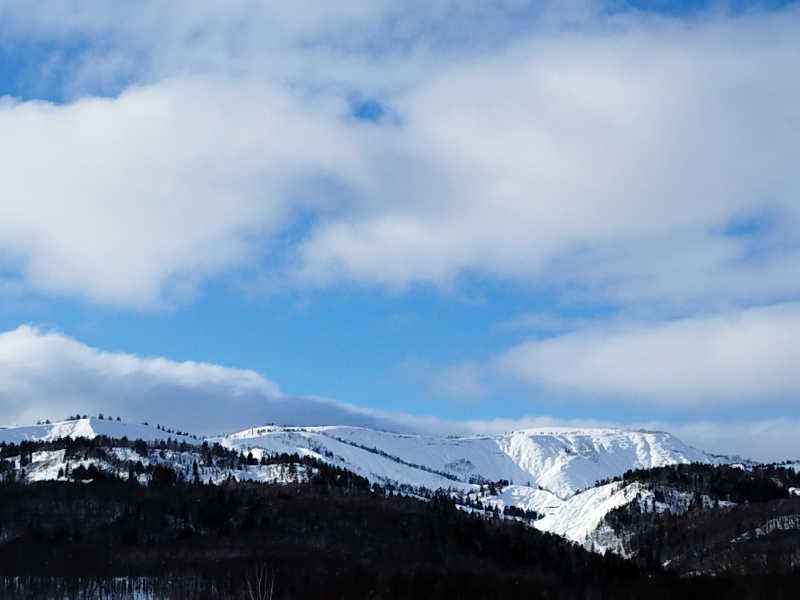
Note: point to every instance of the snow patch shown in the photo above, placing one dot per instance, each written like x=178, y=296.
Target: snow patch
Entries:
x=526, y=498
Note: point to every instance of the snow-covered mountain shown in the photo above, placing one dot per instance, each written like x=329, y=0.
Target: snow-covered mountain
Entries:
x=551, y=471
x=557, y=480
x=559, y=460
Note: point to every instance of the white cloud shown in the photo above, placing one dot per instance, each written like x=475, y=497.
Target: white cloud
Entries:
x=748, y=357
x=133, y=200
x=49, y=375
x=381, y=43
x=610, y=158
x=758, y=439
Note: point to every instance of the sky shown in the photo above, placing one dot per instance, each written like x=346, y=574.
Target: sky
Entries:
x=431, y=216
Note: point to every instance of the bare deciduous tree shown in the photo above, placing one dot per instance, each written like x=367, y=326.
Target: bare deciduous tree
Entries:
x=260, y=583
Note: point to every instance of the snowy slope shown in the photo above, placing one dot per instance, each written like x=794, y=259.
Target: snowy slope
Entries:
x=319, y=443
x=561, y=461
x=526, y=498
x=577, y=518
x=48, y=465
x=88, y=428
x=582, y=517
x=567, y=460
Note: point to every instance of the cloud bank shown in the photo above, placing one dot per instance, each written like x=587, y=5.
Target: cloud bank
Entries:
x=50, y=375
x=739, y=357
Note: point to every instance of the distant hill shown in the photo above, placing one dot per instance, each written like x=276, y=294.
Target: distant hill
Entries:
x=91, y=427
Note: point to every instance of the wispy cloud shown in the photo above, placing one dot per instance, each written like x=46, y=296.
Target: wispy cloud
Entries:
x=463, y=381
x=546, y=322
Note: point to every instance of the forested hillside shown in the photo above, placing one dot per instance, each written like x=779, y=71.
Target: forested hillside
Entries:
x=331, y=538
x=106, y=518
x=736, y=520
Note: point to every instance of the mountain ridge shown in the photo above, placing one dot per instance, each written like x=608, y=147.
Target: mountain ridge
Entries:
x=561, y=460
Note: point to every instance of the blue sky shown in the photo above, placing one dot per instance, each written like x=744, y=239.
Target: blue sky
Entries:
x=491, y=214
